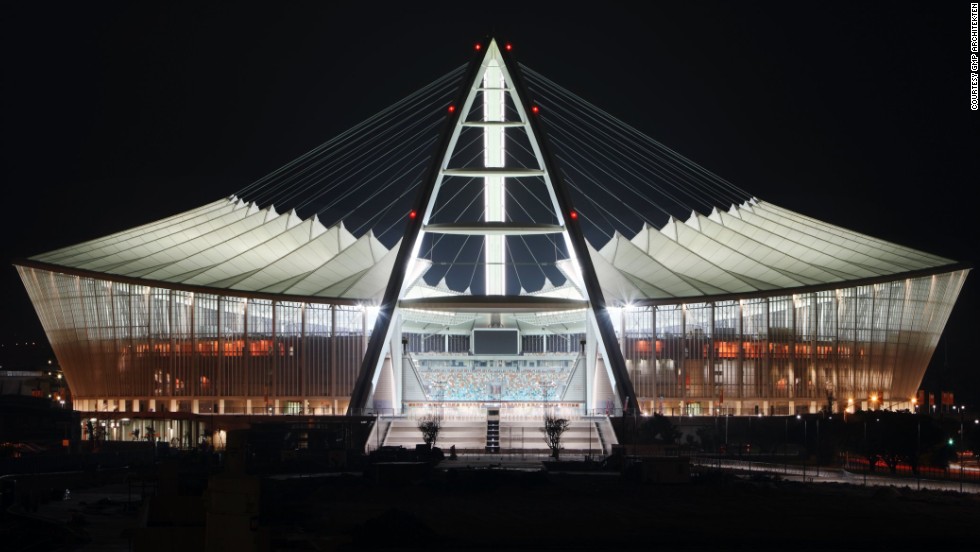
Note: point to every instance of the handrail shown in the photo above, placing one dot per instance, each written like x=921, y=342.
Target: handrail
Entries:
x=568, y=383
x=415, y=370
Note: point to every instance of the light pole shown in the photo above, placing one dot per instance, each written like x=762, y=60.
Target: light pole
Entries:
x=918, y=439
x=805, y=449
x=960, y=455
x=867, y=455
x=726, y=431
x=785, y=434
x=818, y=444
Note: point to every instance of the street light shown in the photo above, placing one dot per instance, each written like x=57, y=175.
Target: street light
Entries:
x=798, y=417
x=960, y=456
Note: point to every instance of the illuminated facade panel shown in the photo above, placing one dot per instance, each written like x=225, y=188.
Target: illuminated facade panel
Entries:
x=120, y=341
x=140, y=347
x=772, y=352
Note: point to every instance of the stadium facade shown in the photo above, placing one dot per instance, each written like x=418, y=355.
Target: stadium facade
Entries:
x=235, y=308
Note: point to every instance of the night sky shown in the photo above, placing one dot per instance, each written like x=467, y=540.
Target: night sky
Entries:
x=858, y=115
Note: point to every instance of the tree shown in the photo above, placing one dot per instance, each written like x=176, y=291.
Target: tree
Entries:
x=554, y=428
x=896, y=438
x=829, y=409
x=658, y=429
x=429, y=425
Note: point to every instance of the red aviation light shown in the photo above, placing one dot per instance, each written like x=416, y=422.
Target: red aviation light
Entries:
x=508, y=47
x=412, y=214
x=477, y=46
x=535, y=109
x=573, y=215
x=452, y=109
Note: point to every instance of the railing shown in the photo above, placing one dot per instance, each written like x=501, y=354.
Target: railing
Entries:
x=418, y=377
x=853, y=470
x=373, y=412
x=568, y=383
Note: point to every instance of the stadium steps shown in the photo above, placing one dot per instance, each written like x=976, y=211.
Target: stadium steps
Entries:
x=581, y=436
x=493, y=435
x=465, y=435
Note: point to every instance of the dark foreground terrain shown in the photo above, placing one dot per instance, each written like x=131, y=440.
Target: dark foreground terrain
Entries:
x=481, y=508
x=495, y=509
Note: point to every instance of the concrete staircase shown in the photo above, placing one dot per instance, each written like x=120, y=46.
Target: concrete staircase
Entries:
x=466, y=435
x=583, y=435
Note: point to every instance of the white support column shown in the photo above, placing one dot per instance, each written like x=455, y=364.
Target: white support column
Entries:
x=590, y=367
x=494, y=194
x=221, y=406
x=196, y=406
x=397, y=349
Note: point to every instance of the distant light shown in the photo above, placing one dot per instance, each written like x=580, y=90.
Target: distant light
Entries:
x=535, y=109
x=452, y=109
x=412, y=214
x=573, y=214
x=508, y=47
x=477, y=46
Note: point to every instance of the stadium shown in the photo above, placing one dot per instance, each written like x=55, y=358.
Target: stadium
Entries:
x=490, y=248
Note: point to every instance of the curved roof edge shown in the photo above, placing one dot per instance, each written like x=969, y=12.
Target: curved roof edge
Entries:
x=230, y=292
x=944, y=269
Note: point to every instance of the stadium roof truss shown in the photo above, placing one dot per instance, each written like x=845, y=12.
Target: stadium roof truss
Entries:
x=496, y=79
